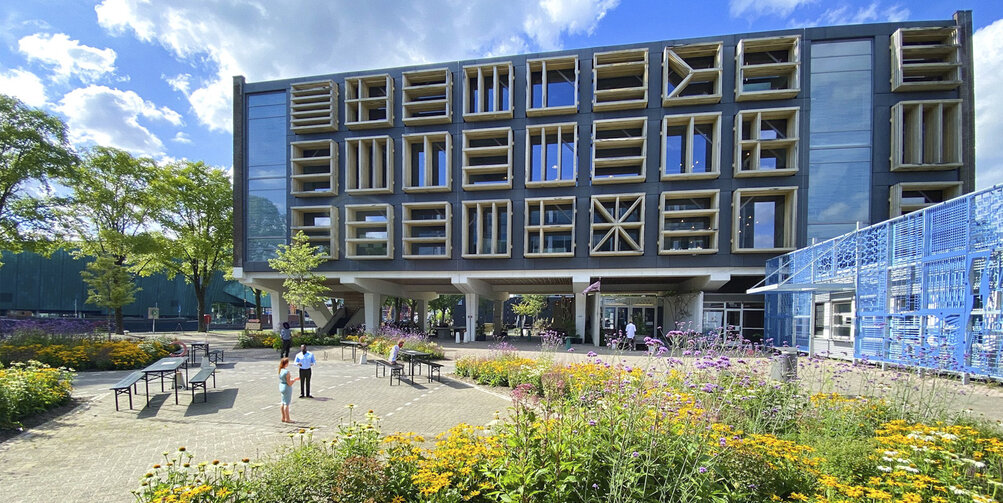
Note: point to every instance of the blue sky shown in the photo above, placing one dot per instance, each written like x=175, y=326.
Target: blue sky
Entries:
x=154, y=77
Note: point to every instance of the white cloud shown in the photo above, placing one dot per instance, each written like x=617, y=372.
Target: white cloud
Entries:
x=111, y=117
x=69, y=57
x=264, y=41
x=181, y=137
x=23, y=85
x=180, y=82
x=846, y=14
x=988, y=56
x=756, y=8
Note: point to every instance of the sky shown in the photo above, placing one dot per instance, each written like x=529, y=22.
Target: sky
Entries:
x=154, y=77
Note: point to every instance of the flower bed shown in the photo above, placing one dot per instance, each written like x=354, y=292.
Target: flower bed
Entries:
x=87, y=354
x=387, y=338
x=32, y=388
x=269, y=339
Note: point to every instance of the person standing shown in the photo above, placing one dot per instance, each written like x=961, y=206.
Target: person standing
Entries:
x=631, y=330
x=286, y=382
x=287, y=339
x=305, y=361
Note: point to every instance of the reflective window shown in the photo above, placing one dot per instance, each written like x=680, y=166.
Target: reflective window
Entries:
x=266, y=204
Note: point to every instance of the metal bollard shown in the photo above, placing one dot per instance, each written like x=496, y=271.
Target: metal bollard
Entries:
x=785, y=365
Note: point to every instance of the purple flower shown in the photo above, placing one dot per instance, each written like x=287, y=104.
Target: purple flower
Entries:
x=702, y=469
x=591, y=354
x=723, y=442
x=571, y=350
x=635, y=454
x=592, y=423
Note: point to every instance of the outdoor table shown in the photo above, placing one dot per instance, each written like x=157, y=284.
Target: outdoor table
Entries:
x=411, y=356
x=353, y=344
x=195, y=347
x=164, y=366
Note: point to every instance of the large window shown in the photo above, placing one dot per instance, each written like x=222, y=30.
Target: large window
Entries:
x=691, y=74
x=488, y=92
x=427, y=162
x=745, y=316
x=313, y=107
x=369, y=165
x=427, y=97
x=314, y=168
x=925, y=59
x=551, y=155
x=619, y=150
x=369, y=231
x=907, y=197
x=486, y=229
x=926, y=135
x=320, y=224
x=427, y=230
x=550, y=227
x=617, y=225
x=689, y=222
x=620, y=80
x=766, y=142
x=764, y=220
x=369, y=102
x=691, y=146
x=266, y=204
x=487, y=159
x=552, y=86
x=767, y=68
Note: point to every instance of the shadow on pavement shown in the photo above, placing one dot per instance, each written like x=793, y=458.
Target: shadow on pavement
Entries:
x=216, y=401
x=156, y=400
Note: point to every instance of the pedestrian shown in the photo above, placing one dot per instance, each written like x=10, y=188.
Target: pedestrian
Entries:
x=631, y=329
x=286, y=382
x=287, y=339
x=305, y=361
x=395, y=352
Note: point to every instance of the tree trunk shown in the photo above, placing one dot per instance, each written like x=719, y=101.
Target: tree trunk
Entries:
x=302, y=322
x=200, y=298
x=257, y=303
x=119, y=329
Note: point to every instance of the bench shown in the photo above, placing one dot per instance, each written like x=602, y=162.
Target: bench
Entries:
x=433, y=367
x=215, y=356
x=200, y=379
x=396, y=369
x=127, y=385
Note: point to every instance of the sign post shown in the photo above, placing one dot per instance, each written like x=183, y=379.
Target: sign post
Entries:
x=153, y=313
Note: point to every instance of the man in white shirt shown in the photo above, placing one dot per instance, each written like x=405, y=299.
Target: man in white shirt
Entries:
x=305, y=361
x=395, y=352
x=631, y=329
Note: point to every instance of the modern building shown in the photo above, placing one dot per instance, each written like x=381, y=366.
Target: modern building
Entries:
x=667, y=171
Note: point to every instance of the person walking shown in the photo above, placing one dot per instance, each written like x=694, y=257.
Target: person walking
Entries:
x=287, y=339
x=305, y=361
x=286, y=382
x=631, y=330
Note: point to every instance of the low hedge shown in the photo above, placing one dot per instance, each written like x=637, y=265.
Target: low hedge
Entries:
x=87, y=354
x=32, y=388
x=269, y=339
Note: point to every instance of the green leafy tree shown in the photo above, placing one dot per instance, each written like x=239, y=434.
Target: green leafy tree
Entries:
x=107, y=215
x=296, y=262
x=530, y=305
x=33, y=150
x=196, y=216
x=444, y=304
x=108, y=284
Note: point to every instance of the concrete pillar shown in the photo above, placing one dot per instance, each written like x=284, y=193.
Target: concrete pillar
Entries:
x=280, y=310
x=471, y=302
x=499, y=316
x=373, y=304
x=581, y=305
x=596, y=318
x=422, y=315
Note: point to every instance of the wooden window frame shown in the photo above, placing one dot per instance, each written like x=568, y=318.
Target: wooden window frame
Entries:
x=479, y=72
x=475, y=152
x=791, y=144
x=354, y=155
x=611, y=143
x=543, y=229
x=408, y=224
x=713, y=213
x=476, y=206
x=925, y=59
x=926, y=130
x=358, y=103
x=422, y=83
x=950, y=190
x=613, y=227
x=674, y=59
x=790, y=212
x=313, y=107
x=690, y=121
x=351, y=225
x=298, y=224
x=427, y=139
x=622, y=63
x=541, y=65
x=791, y=68
x=544, y=130
x=299, y=164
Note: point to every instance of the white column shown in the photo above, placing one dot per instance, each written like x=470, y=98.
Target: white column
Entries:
x=596, y=318
x=581, y=301
x=422, y=314
x=280, y=310
x=373, y=303
x=471, y=302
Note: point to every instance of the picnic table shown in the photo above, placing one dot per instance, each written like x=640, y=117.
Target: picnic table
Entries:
x=353, y=344
x=411, y=356
x=163, y=367
x=196, y=347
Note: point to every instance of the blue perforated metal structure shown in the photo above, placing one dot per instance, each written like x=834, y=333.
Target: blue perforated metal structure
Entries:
x=928, y=286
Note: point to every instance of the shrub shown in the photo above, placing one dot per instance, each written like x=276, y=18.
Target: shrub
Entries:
x=259, y=339
x=28, y=389
x=383, y=343
x=86, y=354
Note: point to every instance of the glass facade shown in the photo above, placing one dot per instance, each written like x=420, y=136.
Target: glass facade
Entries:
x=840, y=132
x=266, y=175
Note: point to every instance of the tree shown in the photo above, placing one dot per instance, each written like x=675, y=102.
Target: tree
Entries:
x=107, y=214
x=530, y=305
x=108, y=285
x=196, y=215
x=296, y=262
x=33, y=150
x=444, y=303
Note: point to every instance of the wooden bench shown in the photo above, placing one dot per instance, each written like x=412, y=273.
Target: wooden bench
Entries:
x=396, y=369
x=127, y=385
x=215, y=356
x=433, y=367
x=200, y=379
